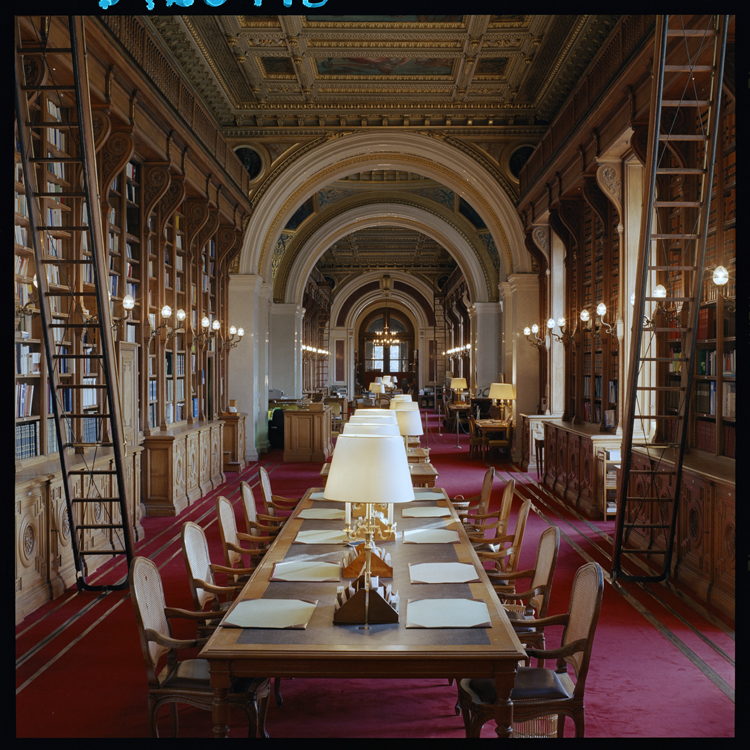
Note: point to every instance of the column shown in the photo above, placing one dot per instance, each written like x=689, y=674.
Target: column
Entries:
x=556, y=307
x=285, y=348
x=264, y=305
x=486, y=337
x=520, y=303
x=244, y=298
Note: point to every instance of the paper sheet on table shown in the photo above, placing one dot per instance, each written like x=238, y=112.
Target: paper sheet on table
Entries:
x=425, y=512
x=427, y=495
x=286, y=614
x=306, y=570
x=322, y=536
x=443, y=573
x=447, y=613
x=324, y=514
x=316, y=496
x=430, y=536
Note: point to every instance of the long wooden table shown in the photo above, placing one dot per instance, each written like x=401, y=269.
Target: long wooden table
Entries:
x=385, y=651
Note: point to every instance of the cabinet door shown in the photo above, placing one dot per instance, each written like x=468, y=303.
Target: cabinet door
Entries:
x=694, y=534
x=722, y=553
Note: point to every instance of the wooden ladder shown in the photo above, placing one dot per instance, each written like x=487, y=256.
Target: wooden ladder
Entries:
x=87, y=415
x=655, y=420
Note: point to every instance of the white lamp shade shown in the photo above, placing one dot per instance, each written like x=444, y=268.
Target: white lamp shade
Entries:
x=386, y=378
x=376, y=388
x=378, y=380
x=402, y=397
x=404, y=406
x=369, y=469
x=370, y=412
x=504, y=391
x=370, y=429
x=387, y=418
x=409, y=422
x=458, y=384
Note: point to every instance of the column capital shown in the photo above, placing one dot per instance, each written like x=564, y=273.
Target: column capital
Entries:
x=249, y=282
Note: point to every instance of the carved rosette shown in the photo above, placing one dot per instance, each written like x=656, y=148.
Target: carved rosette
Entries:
x=63, y=524
x=609, y=179
x=541, y=238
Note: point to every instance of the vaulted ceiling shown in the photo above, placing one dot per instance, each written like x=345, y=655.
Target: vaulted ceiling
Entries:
x=492, y=82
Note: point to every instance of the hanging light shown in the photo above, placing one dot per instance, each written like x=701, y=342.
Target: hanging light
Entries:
x=385, y=338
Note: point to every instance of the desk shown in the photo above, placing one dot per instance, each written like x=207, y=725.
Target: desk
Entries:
x=489, y=427
x=422, y=475
x=388, y=651
x=307, y=434
x=418, y=455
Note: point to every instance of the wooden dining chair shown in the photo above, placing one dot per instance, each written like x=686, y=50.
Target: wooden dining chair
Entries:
x=476, y=441
x=231, y=540
x=203, y=587
x=257, y=524
x=546, y=692
x=491, y=444
x=188, y=680
x=275, y=504
x=476, y=504
x=478, y=524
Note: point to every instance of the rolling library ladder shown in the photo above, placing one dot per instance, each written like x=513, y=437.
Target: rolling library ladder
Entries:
x=682, y=140
x=55, y=137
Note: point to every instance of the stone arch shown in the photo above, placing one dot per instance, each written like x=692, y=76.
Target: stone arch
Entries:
x=294, y=272
x=317, y=166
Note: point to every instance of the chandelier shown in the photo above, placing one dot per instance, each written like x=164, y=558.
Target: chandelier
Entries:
x=385, y=338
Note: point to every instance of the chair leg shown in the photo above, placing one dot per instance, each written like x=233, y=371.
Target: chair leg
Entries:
x=262, y=710
x=173, y=712
x=277, y=691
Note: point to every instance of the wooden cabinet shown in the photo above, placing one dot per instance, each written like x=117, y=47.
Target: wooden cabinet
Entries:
x=570, y=466
x=307, y=435
x=234, y=441
x=181, y=465
x=44, y=565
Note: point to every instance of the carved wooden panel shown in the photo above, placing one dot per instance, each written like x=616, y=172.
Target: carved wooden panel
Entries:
x=561, y=459
x=586, y=469
x=573, y=465
x=128, y=368
x=723, y=548
x=31, y=550
x=694, y=528
x=193, y=467
x=204, y=453
x=550, y=455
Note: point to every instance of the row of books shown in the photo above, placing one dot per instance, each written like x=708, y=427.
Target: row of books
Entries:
x=65, y=396
x=20, y=205
x=131, y=192
x=58, y=138
x=730, y=205
x=588, y=411
x=27, y=439
x=56, y=168
x=706, y=362
x=707, y=323
x=24, y=399
x=131, y=170
x=730, y=168
x=705, y=397
x=28, y=362
x=22, y=265
x=729, y=393
x=705, y=435
x=22, y=235
x=729, y=441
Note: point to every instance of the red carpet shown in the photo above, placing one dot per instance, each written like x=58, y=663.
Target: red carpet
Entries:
x=660, y=667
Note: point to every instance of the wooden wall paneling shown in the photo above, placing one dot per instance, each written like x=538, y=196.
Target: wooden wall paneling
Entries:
x=572, y=476
x=588, y=496
x=694, y=535
x=550, y=455
x=561, y=458
x=193, y=467
x=204, y=453
x=31, y=560
x=722, y=592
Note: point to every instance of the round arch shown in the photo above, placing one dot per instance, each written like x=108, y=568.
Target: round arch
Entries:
x=385, y=214
x=340, y=156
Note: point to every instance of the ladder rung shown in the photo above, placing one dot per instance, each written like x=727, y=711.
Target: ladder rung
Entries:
x=95, y=415
x=646, y=500
x=71, y=325
x=44, y=50
x=668, y=299
x=644, y=551
x=688, y=68
x=674, y=330
x=100, y=386
x=78, y=356
x=659, y=388
x=59, y=195
x=636, y=526
x=55, y=259
x=70, y=294
x=692, y=32
x=675, y=236
x=664, y=359
x=81, y=472
x=681, y=137
x=96, y=500
x=663, y=446
x=88, y=445
x=680, y=170
x=48, y=88
x=652, y=471
x=678, y=204
x=54, y=159
x=53, y=124
x=99, y=526
x=685, y=103
x=103, y=552
x=672, y=268
x=657, y=416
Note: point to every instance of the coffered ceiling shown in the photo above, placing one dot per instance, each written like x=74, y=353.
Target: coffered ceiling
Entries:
x=352, y=71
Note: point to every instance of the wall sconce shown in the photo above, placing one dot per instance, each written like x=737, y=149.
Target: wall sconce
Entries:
x=315, y=352
x=180, y=315
x=720, y=278
x=166, y=313
x=230, y=343
x=601, y=311
x=458, y=350
x=128, y=303
x=658, y=294
x=536, y=341
x=565, y=336
x=28, y=307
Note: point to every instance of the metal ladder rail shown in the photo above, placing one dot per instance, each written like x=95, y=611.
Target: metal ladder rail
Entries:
x=689, y=333
x=102, y=325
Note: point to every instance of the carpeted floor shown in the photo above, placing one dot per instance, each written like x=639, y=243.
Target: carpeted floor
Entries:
x=662, y=666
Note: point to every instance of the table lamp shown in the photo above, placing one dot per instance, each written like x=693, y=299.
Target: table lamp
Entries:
x=409, y=423
x=403, y=406
x=504, y=392
x=377, y=388
x=458, y=385
x=385, y=417
x=368, y=470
